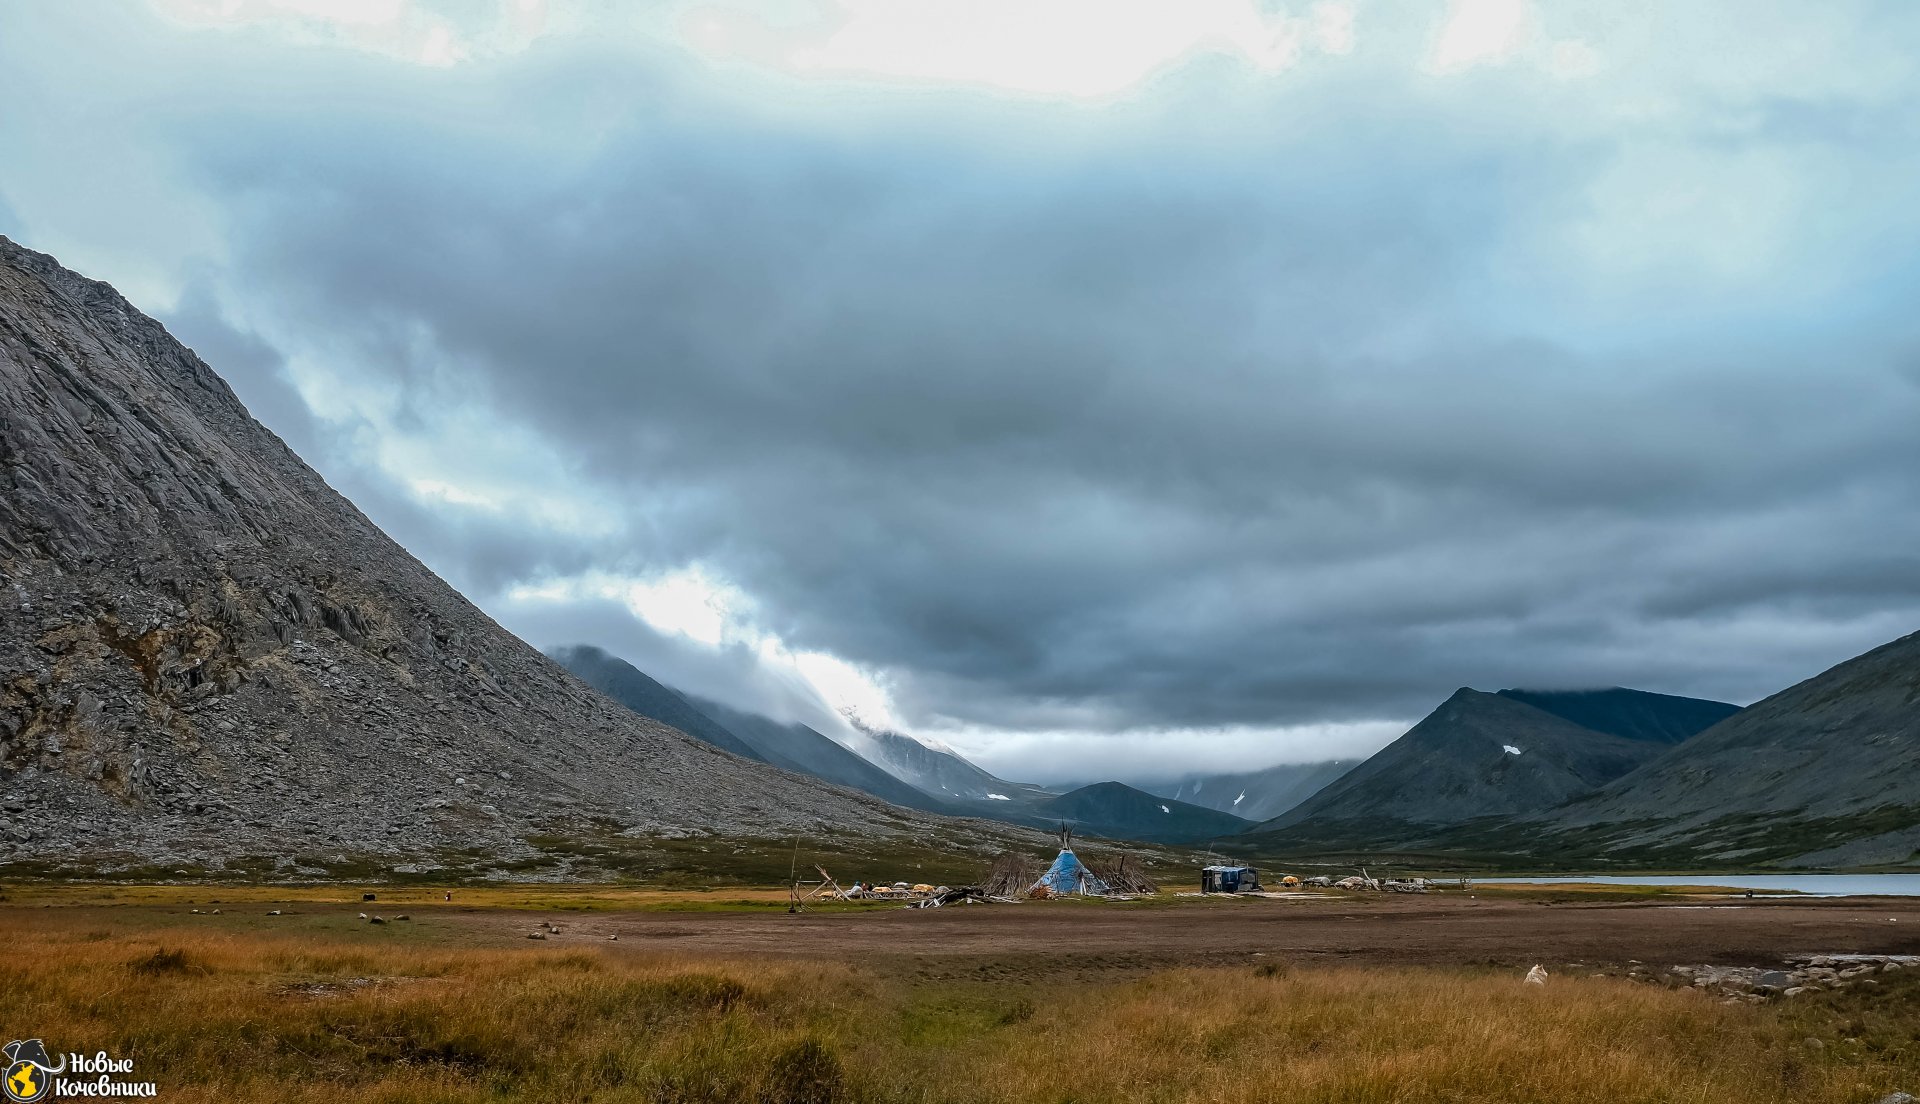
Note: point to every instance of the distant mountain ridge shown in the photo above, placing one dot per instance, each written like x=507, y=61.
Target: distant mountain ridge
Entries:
x=1107, y=809
x=1483, y=755
x=1119, y=811
x=941, y=773
x=1823, y=773
x=1632, y=714
x=793, y=747
x=640, y=692
x=798, y=747
x=1254, y=795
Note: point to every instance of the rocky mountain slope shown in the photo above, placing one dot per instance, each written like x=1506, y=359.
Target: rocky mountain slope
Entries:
x=1254, y=795
x=1477, y=756
x=1825, y=773
x=206, y=654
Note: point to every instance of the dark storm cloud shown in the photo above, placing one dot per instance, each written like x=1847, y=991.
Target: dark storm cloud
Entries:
x=1249, y=400
x=478, y=551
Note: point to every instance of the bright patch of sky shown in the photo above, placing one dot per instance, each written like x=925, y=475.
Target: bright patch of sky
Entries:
x=424, y=34
x=1088, y=753
x=687, y=603
x=1069, y=48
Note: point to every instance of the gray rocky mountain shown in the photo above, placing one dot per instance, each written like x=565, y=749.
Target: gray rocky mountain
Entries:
x=207, y=655
x=1477, y=756
x=1824, y=773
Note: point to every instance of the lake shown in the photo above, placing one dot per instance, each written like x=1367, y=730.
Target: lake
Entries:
x=1814, y=885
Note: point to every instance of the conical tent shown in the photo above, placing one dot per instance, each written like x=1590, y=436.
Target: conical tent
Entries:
x=1069, y=875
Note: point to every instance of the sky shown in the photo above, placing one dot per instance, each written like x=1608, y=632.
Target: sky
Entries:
x=1102, y=388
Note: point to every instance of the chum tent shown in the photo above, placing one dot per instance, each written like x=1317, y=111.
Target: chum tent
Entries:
x=1068, y=874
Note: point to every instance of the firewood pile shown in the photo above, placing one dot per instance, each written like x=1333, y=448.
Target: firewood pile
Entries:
x=1124, y=874
x=1012, y=875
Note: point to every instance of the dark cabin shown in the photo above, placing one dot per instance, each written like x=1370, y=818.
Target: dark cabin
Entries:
x=1229, y=879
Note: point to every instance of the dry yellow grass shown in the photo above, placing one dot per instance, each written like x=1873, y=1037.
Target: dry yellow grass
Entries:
x=250, y=1017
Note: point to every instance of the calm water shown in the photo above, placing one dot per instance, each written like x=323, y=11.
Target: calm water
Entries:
x=1818, y=885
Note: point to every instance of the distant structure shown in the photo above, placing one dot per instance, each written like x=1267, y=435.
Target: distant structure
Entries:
x=1229, y=879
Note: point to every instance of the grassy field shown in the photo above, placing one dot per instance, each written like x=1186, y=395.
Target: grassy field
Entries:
x=240, y=1014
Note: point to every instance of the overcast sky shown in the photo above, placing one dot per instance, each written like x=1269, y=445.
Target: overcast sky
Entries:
x=1105, y=388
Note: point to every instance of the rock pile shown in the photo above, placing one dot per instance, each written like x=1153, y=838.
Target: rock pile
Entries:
x=1807, y=974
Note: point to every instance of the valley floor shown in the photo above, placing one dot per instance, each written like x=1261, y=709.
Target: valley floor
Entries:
x=723, y=996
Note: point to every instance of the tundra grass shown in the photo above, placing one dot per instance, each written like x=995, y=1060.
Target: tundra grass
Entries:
x=240, y=1016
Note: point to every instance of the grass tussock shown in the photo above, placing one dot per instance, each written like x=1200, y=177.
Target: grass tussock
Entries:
x=161, y=961
x=242, y=1017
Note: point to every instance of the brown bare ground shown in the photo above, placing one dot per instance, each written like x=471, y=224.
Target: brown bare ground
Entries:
x=1451, y=929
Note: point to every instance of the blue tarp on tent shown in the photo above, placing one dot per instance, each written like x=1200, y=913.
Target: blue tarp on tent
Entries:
x=1069, y=875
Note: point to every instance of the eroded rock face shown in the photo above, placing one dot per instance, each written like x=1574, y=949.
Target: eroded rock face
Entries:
x=206, y=653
